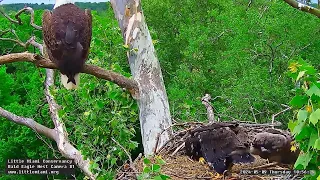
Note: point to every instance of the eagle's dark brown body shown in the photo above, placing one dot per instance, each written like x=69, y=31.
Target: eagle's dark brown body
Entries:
x=274, y=145
x=67, y=32
x=221, y=144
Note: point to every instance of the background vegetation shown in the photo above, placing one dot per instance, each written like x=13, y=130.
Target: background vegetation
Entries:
x=235, y=51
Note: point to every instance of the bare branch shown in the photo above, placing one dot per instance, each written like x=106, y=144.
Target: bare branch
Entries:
x=4, y=32
x=88, y=69
x=24, y=45
x=17, y=16
x=29, y=123
x=206, y=101
x=277, y=114
x=62, y=140
x=304, y=7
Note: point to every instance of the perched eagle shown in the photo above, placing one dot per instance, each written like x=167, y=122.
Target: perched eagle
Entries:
x=274, y=145
x=221, y=145
x=67, y=32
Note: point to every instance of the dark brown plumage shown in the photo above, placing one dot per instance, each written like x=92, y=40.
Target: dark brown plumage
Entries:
x=67, y=32
x=274, y=145
x=220, y=145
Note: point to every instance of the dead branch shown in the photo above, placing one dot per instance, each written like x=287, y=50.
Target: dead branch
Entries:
x=178, y=149
x=206, y=101
x=39, y=61
x=303, y=7
x=277, y=114
x=127, y=153
x=17, y=16
x=266, y=165
x=29, y=123
x=20, y=43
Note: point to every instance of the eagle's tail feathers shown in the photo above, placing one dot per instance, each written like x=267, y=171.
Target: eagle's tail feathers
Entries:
x=70, y=84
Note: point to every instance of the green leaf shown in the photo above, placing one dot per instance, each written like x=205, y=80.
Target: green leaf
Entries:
x=317, y=144
x=314, y=117
x=94, y=165
x=292, y=125
x=125, y=46
x=133, y=145
x=161, y=161
x=298, y=128
x=298, y=101
x=155, y=167
x=164, y=177
x=113, y=161
x=146, y=169
x=304, y=133
x=300, y=75
x=157, y=178
x=313, y=138
x=303, y=160
x=318, y=178
x=313, y=90
x=302, y=115
x=146, y=161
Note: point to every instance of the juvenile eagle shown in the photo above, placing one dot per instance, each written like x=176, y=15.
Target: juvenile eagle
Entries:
x=274, y=145
x=221, y=145
x=67, y=32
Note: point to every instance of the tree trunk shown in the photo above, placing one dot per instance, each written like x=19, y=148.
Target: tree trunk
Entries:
x=152, y=99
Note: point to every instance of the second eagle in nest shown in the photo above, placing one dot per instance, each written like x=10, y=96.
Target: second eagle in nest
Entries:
x=221, y=145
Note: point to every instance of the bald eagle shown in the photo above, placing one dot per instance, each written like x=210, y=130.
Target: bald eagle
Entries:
x=221, y=145
x=274, y=145
x=67, y=32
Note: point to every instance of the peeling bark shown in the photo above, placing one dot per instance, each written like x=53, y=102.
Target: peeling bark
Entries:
x=145, y=68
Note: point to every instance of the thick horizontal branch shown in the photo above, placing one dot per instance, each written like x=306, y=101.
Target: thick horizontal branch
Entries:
x=304, y=7
x=50, y=133
x=88, y=69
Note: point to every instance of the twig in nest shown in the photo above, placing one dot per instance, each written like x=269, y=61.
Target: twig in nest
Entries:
x=266, y=165
x=169, y=127
x=178, y=148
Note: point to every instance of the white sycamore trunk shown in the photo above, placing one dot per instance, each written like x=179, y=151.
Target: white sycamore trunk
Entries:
x=152, y=99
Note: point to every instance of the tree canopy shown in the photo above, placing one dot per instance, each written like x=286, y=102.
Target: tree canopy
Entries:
x=236, y=51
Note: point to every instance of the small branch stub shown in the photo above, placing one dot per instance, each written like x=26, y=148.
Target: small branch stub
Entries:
x=206, y=102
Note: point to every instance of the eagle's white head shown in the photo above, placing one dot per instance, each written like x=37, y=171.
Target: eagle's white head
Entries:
x=62, y=2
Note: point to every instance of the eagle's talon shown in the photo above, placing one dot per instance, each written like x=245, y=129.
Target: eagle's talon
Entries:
x=202, y=160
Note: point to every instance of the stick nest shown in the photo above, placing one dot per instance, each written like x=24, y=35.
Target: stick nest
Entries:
x=179, y=166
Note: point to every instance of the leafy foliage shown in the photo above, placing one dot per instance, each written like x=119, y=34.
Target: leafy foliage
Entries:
x=93, y=114
x=306, y=125
x=152, y=171
x=236, y=53
x=233, y=51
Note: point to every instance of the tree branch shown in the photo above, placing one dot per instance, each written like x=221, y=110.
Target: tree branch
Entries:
x=99, y=72
x=59, y=133
x=17, y=16
x=304, y=7
x=29, y=123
